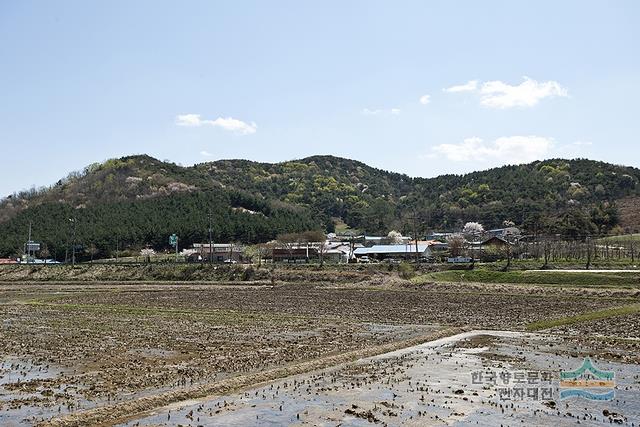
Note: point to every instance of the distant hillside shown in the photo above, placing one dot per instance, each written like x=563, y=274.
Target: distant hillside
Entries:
x=139, y=200
x=128, y=178
x=364, y=197
x=629, y=209
x=573, y=197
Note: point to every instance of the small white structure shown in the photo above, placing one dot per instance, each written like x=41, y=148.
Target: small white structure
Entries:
x=405, y=251
x=459, y=260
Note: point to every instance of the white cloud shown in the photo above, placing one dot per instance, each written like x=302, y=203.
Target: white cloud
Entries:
x=508, y=149
x=234, y=125
x=425, y=99
x=205, y=153
x=469, y=86
x=497, y=94
x=226, y=123
x=188, y=120
x=583, y=143
x=392, y=111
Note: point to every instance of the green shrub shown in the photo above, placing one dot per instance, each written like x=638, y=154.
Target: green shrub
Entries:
x=406, y=270
x=248, y=274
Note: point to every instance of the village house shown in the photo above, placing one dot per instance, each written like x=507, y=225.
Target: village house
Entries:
x=295, y=254
x=340, y=252
x=506, y=233
x=442, y=237
x=494, y=241
x=403, y=251
x=217, y=252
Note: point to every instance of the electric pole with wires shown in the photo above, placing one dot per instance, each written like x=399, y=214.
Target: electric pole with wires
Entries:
x=210, y=216
x=73, y=221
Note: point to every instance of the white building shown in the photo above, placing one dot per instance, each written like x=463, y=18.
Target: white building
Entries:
x=406, y=251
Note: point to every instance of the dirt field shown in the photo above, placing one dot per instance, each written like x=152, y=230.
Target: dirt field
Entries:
x=430, y=384
x=70, y=347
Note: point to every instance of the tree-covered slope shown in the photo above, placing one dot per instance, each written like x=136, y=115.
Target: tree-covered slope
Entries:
x=127, y=178
x=364, y=197
x=548, y=196
x=563, y=196
x=139, y=200
x=132, y=224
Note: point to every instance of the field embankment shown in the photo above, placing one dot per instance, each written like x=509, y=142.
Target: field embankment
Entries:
x=601, y=279
x=171, y=272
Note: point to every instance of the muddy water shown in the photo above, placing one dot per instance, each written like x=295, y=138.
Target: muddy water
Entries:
x=429, y=384
x=15, y=370
x=28, y=391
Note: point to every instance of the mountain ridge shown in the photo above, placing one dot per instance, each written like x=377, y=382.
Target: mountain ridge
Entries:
x=572, y=197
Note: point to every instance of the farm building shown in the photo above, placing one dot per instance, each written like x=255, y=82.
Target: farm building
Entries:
x=340, y=252
x=393, y=251
x=504, y=232
x=495, y=241
x=295, y=254
x=221, y=252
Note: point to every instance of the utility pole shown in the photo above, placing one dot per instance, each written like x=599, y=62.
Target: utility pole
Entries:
x=427, y=221
x=28, y=248
x=210, y=215
x=73, y=242
x=29, y=241
x=588, y=252
x=415, y=235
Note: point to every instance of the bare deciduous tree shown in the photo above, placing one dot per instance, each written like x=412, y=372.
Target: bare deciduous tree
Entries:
x=457, y=245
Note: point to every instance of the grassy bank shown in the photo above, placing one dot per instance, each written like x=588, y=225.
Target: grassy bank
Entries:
x=190, y=272
x=586, y=317
x=624, y=239
x=343, y=273
x=596, y=263
x=586, y=278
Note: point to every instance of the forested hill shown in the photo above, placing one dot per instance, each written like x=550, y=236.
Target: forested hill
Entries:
x=139, y=200
x=562, y=196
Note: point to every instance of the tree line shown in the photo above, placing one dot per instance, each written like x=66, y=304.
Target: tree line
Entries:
x=99, y=230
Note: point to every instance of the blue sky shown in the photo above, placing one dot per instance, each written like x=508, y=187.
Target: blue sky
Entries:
x=506, y=82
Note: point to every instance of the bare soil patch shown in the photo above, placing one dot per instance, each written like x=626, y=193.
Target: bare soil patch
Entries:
x=71, y=347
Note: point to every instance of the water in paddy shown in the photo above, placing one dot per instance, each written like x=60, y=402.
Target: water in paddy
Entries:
x=429, y=384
